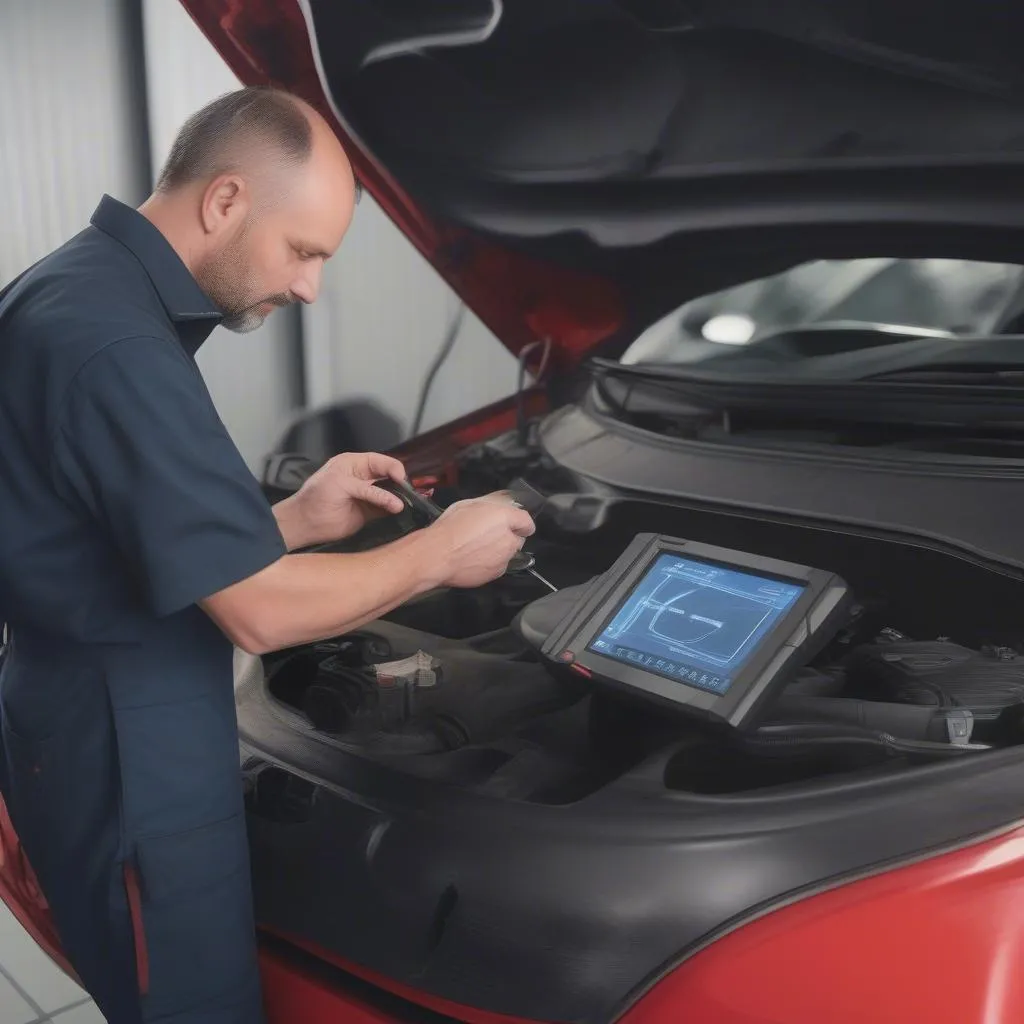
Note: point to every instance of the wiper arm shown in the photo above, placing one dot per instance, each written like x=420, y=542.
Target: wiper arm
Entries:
x=1011, y=376
x=678, y=373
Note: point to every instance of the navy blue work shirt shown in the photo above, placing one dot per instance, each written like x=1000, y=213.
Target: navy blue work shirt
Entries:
x=123, y=502
x=122, y=497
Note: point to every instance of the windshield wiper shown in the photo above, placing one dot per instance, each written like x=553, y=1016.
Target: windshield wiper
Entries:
x=975, y=361
x=971, y=400
x=1012, y=376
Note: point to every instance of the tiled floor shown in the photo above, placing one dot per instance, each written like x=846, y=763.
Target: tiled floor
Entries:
x=33, y=990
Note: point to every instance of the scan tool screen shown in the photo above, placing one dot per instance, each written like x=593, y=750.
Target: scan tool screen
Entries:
x=695, y=622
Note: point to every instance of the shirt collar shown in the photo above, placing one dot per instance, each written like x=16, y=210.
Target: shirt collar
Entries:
x=189, y=307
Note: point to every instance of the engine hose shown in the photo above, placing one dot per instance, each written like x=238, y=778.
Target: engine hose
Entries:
x=785, y=739
x=908, y=721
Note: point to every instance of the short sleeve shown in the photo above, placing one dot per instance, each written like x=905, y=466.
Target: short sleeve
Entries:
x=139, y=443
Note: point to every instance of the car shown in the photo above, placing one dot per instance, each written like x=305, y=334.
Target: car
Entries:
x=761, y=266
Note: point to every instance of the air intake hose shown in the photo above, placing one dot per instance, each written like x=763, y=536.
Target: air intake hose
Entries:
x=785, y=739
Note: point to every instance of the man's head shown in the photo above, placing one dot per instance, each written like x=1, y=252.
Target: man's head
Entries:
x=256, y=194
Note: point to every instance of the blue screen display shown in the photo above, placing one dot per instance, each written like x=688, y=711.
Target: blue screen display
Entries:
x=695, y=622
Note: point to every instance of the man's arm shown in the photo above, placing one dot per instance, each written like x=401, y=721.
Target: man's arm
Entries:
x=292, y=524
x=307, y=597
x=338, y=500
x=139, y=448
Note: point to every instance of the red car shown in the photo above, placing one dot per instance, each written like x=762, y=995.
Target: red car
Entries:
x=760, y=262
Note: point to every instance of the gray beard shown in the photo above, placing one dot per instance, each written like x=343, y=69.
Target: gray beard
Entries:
x=243, y=322
x=219, y=278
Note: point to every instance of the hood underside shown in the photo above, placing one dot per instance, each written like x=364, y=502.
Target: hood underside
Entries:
x=577, y=168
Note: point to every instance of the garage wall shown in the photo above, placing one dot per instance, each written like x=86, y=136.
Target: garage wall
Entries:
x=69, y=118
x=379, y=323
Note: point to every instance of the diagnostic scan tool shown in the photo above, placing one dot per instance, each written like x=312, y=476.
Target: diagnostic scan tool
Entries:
x=709, y=631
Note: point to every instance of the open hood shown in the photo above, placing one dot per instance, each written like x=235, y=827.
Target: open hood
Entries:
x=576, y=169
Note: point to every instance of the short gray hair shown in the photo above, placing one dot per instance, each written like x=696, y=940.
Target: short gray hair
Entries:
x=211, y=139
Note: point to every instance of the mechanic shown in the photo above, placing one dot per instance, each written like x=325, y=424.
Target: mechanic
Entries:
x=136, y=548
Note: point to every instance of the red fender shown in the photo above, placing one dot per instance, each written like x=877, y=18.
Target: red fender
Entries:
x=936, y=942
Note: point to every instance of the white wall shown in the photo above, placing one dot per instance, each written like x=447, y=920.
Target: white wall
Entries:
x=251, y=376
x=67, y=125
x=379, y=323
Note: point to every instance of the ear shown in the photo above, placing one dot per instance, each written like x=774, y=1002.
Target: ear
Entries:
x=225, y=204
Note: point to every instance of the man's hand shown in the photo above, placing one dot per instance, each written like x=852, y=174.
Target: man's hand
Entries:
x=339, y=499
x=302, y=598
x=476, y=539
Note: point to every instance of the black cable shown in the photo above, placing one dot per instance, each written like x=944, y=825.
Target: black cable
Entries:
x=439, y=360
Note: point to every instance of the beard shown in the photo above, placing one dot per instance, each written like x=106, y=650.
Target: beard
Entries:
x=228, y=280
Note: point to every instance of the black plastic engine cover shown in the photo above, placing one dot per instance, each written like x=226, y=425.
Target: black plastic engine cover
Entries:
x=565, y=913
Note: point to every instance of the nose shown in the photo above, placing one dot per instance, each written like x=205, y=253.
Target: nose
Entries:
x=307, y=287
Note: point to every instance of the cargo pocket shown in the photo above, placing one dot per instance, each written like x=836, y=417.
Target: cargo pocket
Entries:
x=195, y=917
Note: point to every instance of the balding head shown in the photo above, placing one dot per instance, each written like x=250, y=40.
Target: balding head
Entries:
x=237, y=132
x=256, y=194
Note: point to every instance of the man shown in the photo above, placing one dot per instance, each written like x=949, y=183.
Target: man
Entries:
x=136, y=547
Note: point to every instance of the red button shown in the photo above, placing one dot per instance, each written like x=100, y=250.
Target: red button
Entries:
x=585, y=672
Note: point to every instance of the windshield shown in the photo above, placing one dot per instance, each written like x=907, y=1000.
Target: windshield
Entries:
x=931, y=297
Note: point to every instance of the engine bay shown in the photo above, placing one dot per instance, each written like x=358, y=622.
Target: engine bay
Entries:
x=392, y=776
x=454, y=687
